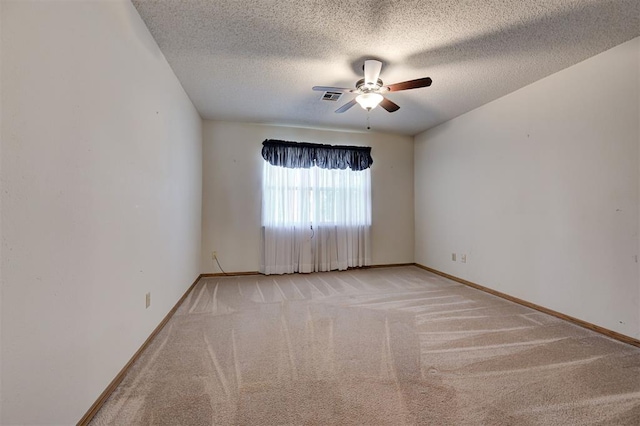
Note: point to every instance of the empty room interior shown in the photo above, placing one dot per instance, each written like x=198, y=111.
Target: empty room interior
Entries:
x=325, y=212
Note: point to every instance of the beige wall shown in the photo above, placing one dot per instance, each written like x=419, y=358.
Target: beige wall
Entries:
x=101, y=201
x=232, y=176
x=540, y=190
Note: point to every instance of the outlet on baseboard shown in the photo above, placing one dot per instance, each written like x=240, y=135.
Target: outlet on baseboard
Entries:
x=147, y=300
x=453, y=257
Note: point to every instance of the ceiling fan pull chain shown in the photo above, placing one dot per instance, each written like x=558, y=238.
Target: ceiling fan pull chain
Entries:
x=368, y=123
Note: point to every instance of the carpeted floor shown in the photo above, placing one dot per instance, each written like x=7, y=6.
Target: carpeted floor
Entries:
x=387, y=346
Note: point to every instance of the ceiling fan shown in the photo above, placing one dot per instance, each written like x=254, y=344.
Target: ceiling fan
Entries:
x=370, y=89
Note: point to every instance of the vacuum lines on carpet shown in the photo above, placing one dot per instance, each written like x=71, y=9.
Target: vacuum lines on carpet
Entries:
x=386, y=346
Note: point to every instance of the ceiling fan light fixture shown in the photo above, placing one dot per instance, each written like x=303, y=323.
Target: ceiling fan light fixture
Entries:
x=369, y=101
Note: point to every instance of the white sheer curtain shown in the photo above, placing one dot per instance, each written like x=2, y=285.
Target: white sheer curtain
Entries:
x=314, y=219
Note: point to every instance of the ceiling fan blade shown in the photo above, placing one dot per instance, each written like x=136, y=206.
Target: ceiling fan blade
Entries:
x=411, y=84
x=346, y=106
x=389, y=106
x=371, y=71
x=333, y=89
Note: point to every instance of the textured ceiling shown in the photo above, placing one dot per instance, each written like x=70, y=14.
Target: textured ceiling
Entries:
x=256, y=60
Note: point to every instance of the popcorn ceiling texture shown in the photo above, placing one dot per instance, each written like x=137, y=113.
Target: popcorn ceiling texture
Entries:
x=256, y=61
x=388, y=346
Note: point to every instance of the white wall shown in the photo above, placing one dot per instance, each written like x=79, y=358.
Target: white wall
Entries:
x=232, y=179
x=101, y=198
x=540, y=190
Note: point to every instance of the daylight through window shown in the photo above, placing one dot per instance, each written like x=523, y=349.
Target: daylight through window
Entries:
x=315, y=196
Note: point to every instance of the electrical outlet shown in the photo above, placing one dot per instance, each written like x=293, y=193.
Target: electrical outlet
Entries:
x=214, y=254
x=453, y=257
x=463, y=258
x=147, y=300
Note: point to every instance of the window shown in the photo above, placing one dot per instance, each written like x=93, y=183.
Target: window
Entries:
x=316, y=207
x=315, y=196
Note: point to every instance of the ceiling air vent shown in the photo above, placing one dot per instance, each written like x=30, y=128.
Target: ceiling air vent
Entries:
x=331, y=96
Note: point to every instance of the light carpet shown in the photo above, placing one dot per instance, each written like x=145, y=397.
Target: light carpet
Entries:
x=386, y=346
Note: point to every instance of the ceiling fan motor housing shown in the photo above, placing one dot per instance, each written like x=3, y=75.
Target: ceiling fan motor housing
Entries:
x=364, y=88
x=370, y=89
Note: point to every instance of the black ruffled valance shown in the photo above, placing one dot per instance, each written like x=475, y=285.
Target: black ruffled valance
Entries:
x=302, y=155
